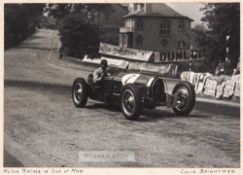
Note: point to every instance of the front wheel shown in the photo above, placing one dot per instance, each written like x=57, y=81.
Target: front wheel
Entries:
x=131, y=102
x=79, y=92
x=184, y=98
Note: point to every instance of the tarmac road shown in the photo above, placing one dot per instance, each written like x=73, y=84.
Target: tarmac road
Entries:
x=42, y=128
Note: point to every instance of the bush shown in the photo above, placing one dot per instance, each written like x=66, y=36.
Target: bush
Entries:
x=78, y=36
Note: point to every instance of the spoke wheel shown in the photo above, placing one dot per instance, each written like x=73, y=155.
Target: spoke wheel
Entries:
x=184, y=98
x=128, y=101
x=79, y=92
x=131, y=102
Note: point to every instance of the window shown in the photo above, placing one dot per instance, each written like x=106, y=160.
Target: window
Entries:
x=139, y=40
x=135, y=7
x=129, y=23
x=125, y=40
x=164, y=28
x=121, y=40
x=139, y=24
x=181, y=26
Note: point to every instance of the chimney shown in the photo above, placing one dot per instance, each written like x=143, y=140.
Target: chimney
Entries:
x=148, y=8
x=131, y=8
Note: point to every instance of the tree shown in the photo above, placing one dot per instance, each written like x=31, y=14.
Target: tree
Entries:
x=20, y=21
x=200, y=28
x=78, y=36
x=77, y=27
x=223, y=19
x=60, y=11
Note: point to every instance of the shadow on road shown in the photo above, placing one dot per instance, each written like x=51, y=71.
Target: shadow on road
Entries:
x=33, y=37
x=34, y=85
x=104, y=106
x=10, y=161
x=160, y=113
x=146, y=115
x=26, y=46
x=218, y=109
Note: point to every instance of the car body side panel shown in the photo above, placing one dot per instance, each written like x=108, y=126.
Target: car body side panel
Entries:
x=113, y=85
x=131, y=78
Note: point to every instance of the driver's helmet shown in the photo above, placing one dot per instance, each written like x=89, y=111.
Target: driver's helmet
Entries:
x=104, y=64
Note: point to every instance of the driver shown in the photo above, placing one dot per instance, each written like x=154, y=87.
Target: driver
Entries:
x=99, y=73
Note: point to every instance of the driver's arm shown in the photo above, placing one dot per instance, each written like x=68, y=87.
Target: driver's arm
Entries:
x=97, y=75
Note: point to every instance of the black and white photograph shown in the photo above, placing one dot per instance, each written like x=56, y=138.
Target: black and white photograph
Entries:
x=142, y=85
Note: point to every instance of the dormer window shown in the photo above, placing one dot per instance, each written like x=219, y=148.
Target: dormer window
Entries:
x=135, y=7
x=165, y=27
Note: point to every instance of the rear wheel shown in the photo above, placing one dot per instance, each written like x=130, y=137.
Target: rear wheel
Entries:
x=131, y=102
x=79, y=92
x=184, y=98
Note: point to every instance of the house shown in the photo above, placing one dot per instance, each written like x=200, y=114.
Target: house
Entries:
x=157, y=27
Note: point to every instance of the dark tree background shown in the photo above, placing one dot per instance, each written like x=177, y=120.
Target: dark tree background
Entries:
x=223, y=19
x=20, y=21
x=77, y=27
x=78, y=36
x=78, y=31
x=60, y=11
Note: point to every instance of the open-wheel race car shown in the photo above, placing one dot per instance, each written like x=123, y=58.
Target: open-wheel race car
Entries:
x=134, y=91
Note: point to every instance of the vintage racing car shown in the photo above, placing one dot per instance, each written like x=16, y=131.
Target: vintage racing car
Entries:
x=134, y=91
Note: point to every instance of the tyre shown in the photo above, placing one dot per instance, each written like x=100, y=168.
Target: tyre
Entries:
x=80, y=92
x=131, y=102
x=184, y=98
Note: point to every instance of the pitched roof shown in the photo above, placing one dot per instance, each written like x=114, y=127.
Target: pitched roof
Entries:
x=157, y=10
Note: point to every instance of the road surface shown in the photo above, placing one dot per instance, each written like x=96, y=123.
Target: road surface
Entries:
x=42, y=128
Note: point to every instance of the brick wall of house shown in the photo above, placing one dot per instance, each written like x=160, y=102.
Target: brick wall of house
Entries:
x=152, y=40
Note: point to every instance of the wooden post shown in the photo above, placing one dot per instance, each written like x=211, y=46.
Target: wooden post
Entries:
x=227, y=47
x=190, y=58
